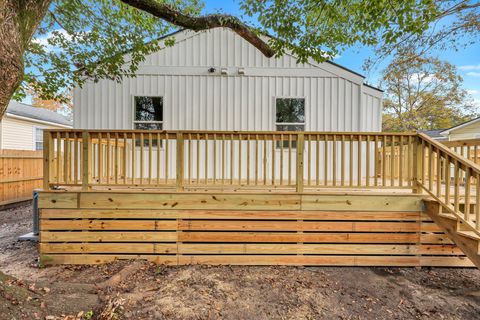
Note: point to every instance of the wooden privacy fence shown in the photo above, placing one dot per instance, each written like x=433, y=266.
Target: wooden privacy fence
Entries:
x=191, y=159
x=21, y=171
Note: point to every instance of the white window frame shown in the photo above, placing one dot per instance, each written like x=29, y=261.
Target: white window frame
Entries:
x=304, y=123
x=290, y=123
x=155, y=122
x=161, y=122
x=35, y=141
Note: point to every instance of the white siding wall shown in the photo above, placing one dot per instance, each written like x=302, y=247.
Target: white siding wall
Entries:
x=19, y=134
x=468, y=132
x=227, y=103
x=336, y=99
x=195, y=99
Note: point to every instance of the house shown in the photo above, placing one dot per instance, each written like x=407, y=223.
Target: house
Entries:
x=215, y=80
x=22, y=126
x=463, y=131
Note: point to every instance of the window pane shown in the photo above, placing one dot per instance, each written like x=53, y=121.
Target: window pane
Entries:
x=148, y=126
x=290, y=109
x=38, y=135
x=148, y=109
x=38, y=145
x=289, y=127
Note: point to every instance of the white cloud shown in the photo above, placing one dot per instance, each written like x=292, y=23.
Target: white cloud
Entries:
x=473, y=91
x=421, y=77
x=43, y=40
x=470, y=67
x=473, y=74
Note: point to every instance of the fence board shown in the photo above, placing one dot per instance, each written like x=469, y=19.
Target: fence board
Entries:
x=21, y=171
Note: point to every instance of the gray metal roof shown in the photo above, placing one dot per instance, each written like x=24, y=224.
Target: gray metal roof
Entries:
x=435, y=134
x=42, y=114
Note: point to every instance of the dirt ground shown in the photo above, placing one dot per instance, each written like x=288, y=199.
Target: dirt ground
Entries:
x=140, y=290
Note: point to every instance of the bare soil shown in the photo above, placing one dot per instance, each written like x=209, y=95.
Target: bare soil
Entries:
x=140, y=290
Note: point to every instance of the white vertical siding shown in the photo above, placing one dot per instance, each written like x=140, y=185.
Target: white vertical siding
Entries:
x=335, y=99
x=228, y=103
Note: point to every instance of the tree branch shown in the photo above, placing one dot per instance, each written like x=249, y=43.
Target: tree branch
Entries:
x=167, y=13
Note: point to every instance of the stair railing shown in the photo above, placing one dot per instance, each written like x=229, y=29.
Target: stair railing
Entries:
x=454, y=181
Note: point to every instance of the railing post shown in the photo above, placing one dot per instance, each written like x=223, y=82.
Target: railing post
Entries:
x=417, y=165
x=86, y=160
x=47, y=158
x=300, y=147
x=180, y=161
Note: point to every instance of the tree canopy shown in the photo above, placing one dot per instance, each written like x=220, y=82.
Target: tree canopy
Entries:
x=423, y=93
x=65, y=42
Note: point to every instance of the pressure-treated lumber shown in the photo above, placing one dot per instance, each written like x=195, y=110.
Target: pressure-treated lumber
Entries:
x=232, y=228
x=469, y=246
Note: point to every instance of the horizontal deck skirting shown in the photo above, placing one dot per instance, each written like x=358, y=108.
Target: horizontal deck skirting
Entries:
x=241, y=229
x=230, y=201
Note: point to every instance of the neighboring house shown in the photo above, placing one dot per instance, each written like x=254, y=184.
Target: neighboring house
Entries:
x=464, y=131
x=215, y=80
x=22, y=126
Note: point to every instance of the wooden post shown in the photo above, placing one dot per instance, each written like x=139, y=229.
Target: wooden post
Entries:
x=300, y=146
x=86, y=171
x=180, y=161
x=47, y=158
x=417, y=165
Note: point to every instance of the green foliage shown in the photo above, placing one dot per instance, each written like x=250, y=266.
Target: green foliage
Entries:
x=423, y=93
x=88, y=315
x=321, y=29
x=455, y=26
x=88, y=39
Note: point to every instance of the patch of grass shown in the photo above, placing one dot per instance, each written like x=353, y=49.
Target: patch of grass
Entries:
x=88, y=315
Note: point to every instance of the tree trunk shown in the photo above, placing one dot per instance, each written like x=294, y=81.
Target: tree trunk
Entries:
x=18, y=21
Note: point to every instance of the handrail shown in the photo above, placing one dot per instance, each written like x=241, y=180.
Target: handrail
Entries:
x=436, y=163
x=462, y=143
x=232, y=131
x=450, y=153
x=469, y=149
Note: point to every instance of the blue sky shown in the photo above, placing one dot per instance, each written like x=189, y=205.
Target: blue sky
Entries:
x=467, y=60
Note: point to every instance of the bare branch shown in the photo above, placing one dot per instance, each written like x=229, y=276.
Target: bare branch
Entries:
x=167, y=13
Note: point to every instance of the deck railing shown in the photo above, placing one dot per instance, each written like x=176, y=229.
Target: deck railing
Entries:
x=293, y=161
x=469, y=149
x=193, y=159
x=451, y=179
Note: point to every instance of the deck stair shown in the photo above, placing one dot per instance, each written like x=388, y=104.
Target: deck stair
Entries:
x=467, y=241
x=455, y=210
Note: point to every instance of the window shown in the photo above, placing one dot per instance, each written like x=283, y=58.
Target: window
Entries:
x=290, y=116
x=148, y=113
x=38, y=139
x=148, y=116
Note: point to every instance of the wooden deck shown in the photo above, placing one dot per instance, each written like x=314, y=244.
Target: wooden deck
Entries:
x=236, y=228
x=330, y=199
